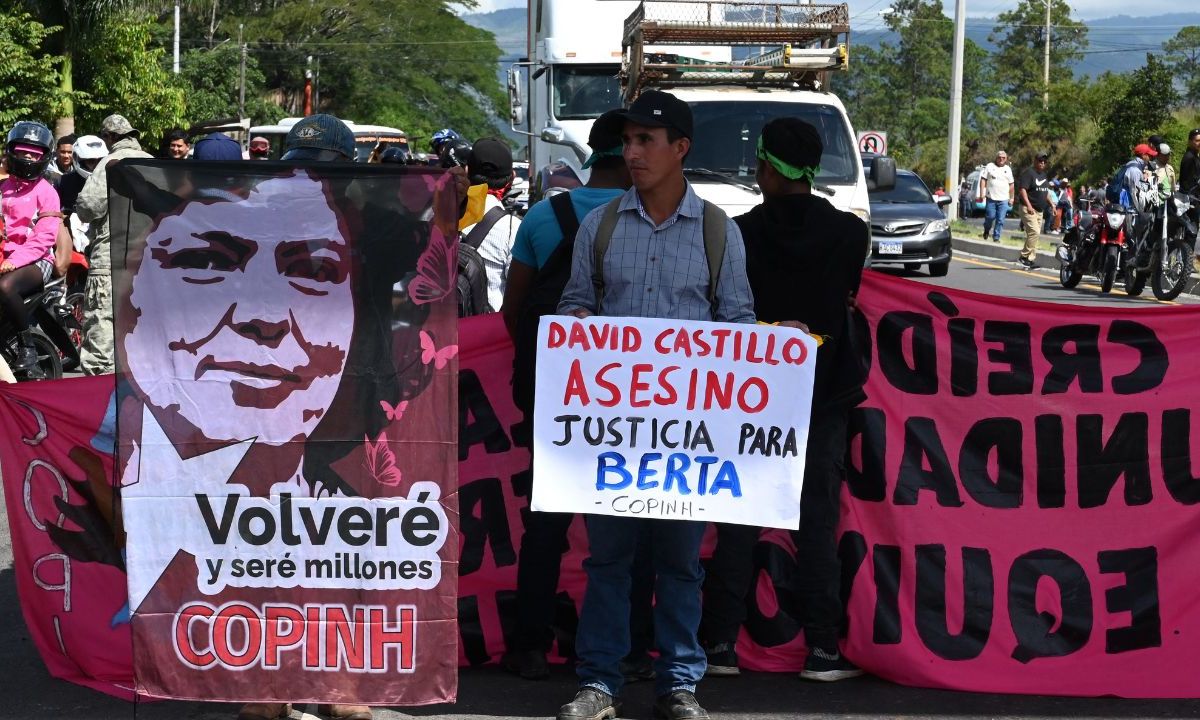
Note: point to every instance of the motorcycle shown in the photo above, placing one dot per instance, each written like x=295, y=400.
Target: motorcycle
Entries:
x=1171, y=259
x=1094, y=247
x=51, y=337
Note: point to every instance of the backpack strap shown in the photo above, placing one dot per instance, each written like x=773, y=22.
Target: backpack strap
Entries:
x=484, y=226
x=564, y=212
x=715, y=221
x=604, y=233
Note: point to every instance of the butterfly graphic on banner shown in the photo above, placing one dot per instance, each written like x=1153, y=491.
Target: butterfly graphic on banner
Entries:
x=393, y=412
x=379, y=461
x=431, y=354
x=437, y=269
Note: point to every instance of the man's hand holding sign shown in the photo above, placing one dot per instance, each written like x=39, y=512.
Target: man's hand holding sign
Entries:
x=672, y=419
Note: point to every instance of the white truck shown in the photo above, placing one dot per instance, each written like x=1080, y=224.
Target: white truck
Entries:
x=588, y=56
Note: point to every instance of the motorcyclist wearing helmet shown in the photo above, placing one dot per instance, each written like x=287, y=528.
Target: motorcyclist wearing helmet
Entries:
x=441, y=138
x=31, y=221
x=89, y=150
x=454, y=154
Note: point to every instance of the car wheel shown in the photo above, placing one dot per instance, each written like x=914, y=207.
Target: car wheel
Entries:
x=939, y=269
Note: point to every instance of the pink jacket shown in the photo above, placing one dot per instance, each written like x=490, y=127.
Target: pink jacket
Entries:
x=21, y=200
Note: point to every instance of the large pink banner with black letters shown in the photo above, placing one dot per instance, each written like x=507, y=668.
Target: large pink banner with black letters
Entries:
x=1018, y=515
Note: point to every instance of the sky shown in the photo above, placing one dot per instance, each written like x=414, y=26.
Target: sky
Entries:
x=867, y=9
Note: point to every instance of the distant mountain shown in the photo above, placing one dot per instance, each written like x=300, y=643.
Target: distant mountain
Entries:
x=1115, y=44
x=508, y=26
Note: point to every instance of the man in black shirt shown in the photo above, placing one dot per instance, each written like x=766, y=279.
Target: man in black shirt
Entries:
x=1189, y=167
x=804, y=260
x=1032, y=201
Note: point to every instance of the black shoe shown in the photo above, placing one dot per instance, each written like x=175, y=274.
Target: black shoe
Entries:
x=679, y=705
x=828, y=665
x=529, y=664
x=27, y=357
x=722, y=661
x=589, y=704
x=637, y=668
x=1026, y=263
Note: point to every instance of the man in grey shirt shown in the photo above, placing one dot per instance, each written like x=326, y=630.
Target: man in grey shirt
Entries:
x=656, y=265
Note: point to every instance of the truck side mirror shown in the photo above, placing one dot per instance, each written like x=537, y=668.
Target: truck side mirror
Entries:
x=516, y=107
x=883, y=173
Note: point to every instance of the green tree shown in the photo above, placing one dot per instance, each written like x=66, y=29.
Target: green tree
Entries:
x=212, y=79
x=28, y=81
x=1182, y=56
x=122, y=74
x=1020, y=37
x=917, y=66
x=78, y=23
x=409, y=63
x=1143, y=108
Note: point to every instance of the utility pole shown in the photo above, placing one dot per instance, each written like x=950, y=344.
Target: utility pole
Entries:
x=175, y=66
x=1046, y=63
x=242, y=77
x=956, y=85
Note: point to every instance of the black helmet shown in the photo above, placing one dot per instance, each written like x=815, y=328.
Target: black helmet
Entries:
x=394, y=155
x=31, y=133
x=455, y=153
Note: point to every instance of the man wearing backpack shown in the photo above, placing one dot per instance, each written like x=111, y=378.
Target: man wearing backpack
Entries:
x=657, y=251
x=540, y=269
x=490, y=162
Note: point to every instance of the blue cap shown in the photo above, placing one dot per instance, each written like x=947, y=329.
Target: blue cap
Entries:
x=320, y=132
x=216, y=146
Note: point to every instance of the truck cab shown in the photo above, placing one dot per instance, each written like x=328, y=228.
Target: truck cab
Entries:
x=589, y=56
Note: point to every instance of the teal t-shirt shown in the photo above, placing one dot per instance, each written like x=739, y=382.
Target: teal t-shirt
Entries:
x=540, y=234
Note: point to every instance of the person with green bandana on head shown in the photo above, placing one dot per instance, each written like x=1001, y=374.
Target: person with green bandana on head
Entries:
x=804, y=260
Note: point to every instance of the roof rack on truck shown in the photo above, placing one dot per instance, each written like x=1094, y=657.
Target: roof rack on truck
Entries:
x=806, y=40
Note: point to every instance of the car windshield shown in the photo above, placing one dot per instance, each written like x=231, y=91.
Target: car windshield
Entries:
x=585, y=92
x=726, y=137
x=908, y=189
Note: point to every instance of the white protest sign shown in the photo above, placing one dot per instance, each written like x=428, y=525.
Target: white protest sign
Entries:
x=672, y=419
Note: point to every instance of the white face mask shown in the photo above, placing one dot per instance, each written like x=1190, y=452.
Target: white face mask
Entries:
x=244, y=313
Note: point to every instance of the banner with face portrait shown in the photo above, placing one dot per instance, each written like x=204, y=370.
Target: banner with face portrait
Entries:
x=286, y=338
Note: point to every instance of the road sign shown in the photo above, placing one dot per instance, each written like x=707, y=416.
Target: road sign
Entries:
x=872, y=141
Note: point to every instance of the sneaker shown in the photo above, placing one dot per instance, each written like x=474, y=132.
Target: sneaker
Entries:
x=589, y=704
x=1026, y=263
x=679, y=705
x=638, y=668
x=528, y=664
x=722, y=661
x=828, y=666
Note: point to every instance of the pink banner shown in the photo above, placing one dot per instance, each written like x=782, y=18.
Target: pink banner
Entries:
x=1016, y=517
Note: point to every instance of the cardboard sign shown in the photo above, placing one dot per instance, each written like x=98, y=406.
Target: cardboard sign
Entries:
x=672, y=419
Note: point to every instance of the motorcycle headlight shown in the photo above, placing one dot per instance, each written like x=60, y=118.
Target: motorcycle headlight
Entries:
x=937, y=226
x=1182, y=203
x=1115, y=220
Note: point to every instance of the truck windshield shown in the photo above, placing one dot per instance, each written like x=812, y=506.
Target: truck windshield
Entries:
x=726, y=136
x=585, y=92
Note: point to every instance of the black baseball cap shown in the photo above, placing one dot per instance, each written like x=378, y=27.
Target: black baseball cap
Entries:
x=1042, y=156
x=655, y=108
x=605, y=136
x=490, y=158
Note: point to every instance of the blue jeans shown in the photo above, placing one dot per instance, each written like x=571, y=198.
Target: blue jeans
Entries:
x=994, y=212
x=603, y=638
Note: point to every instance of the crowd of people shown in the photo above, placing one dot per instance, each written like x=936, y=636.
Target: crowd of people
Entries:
x=1049, y=203
x=635, y=241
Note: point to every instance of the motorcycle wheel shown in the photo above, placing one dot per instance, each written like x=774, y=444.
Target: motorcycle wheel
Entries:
x=1169, y=275
x=49, y=361
x=1112, y=257
x=1067, y=274
x=1135, y=281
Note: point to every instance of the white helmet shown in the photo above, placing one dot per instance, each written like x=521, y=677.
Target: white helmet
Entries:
x=88, y=147
x=1164, y=149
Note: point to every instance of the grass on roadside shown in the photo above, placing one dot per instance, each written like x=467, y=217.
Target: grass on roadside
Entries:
x=1008, y=238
